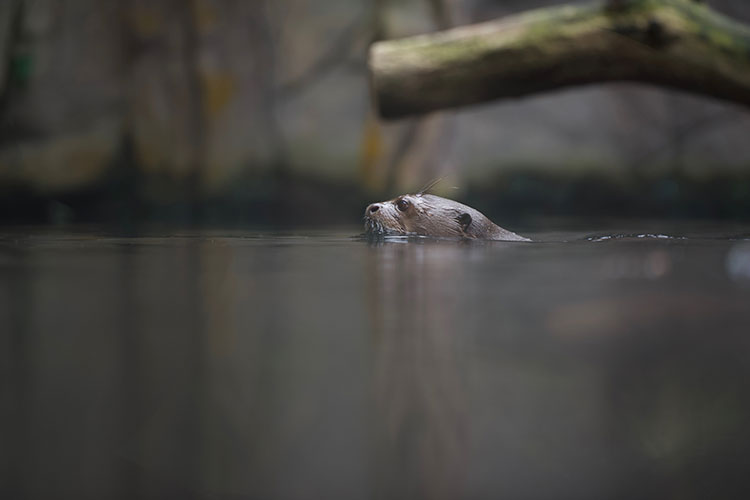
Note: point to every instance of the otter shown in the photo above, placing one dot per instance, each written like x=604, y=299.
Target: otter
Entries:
x=429, y=215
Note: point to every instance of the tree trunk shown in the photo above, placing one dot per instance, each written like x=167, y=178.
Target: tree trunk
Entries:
x=674, y=43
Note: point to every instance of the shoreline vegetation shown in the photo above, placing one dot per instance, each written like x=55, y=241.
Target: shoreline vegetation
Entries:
x=294, y=201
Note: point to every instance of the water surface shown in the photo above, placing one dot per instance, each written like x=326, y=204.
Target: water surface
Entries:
x=314, y=364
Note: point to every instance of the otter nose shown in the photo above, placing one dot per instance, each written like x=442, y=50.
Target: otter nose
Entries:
x=373, y=208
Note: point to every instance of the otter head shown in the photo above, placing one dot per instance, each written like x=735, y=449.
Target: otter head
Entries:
x=402, y=215
x=429, y=215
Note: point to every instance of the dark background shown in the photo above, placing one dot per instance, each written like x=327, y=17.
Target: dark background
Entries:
x=230, y=112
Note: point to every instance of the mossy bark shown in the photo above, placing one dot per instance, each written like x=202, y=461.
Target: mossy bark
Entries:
x=675, y=43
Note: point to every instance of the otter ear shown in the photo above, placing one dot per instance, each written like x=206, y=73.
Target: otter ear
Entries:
x=464, y=220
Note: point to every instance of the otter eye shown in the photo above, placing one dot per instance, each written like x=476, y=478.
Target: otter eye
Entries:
x=403, y=205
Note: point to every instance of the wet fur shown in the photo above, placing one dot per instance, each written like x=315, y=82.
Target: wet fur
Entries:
x=430, y=215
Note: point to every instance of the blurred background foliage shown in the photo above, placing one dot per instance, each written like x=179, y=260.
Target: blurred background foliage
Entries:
x=235, y=112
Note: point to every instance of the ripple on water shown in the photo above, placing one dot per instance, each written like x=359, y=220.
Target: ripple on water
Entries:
x=634, y=236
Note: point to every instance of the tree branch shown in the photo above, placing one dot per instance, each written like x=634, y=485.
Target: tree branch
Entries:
x=674, y=43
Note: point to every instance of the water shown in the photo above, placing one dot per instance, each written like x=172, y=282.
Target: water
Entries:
x=221, y=365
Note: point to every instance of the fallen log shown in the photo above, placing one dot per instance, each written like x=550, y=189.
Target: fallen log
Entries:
x=681, y=44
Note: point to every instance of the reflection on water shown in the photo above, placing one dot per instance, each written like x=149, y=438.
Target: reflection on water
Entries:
x=223, y=366
x=420, y=441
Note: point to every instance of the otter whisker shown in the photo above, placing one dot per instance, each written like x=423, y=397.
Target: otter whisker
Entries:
x=430, y=185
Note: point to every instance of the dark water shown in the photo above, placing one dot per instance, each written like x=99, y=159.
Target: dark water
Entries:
x=223, y=365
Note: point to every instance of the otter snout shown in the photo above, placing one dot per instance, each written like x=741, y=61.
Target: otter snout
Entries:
x=376, y=219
